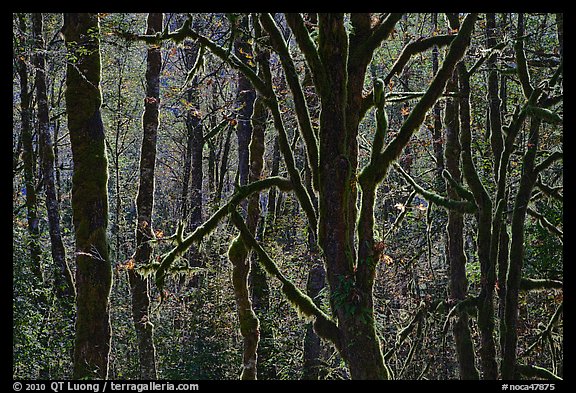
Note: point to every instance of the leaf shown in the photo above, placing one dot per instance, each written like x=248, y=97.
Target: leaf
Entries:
x=400, y=207
x=129, y=265
x=405, y=111
x=387, y=259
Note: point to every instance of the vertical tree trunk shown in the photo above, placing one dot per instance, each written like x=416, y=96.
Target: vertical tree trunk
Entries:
x=514, y=276
x=250, y=162
x=316, y=280
x=63, y=281
x=484, y=230
x=270, y=218
x=245, y=102
x=29, y=161
x=437, y=129
x=484, y=237
x=352, y=297
x=89, y=195
x=312, y=366
x=259, y=282
x=455, y=228
x=195, y=146
x=527, y=181
x=144, y=207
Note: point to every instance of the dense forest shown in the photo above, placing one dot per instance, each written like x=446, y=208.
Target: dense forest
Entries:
x=297, y=196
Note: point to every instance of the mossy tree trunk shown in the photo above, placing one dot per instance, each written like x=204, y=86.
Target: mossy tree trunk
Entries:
x=258, y=279
x=28, y=157
x=484, y=226
x=194, y=173
x=534, y=98
x=455, y=230
x=89, y=195
x=250, y=136
x=144, y=206
x=63, y=280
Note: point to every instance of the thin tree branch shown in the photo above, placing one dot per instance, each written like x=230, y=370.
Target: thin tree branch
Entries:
x=415, y=47
x=460, y=206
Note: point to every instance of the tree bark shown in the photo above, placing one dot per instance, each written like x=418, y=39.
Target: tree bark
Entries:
x=89, y=196
x=484, y=230
x=250, y=162
x=28, y=159
x=455, y=229
x=63, y=280
x=144, y=207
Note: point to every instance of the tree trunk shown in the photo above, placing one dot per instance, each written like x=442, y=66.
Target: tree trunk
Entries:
x=351, y=298
x=484, y=230
x=527, y=181
x=29, y=159
x=144, y=207
x=312, y=366
x=195, y=146
x=89, y=196
x=455, y=229
x=259, y=282
x=250, y=162
x=63, y=281
x=484, y=237
x=245, y=102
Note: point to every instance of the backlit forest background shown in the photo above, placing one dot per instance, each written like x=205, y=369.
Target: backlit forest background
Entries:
x=287, y=196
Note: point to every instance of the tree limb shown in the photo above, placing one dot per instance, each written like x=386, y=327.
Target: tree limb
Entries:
x=557, y=155
x=323, y=325
x=307, y=46
x=546, y=224
x=451, y=204
x=300, y=105
x=534, y=284
x=183, y=244
x=455, y=53
x=531, y=371
x=415, y=47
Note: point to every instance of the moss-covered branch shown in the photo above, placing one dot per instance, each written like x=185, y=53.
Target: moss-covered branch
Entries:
x=521, y=62
x=307, y=46
x=460, y=189
x=286, y=150
x=535, y=284
x=185, y=31
x=305, y=306
x=416, y=47
x=544, y=114
x=249, y=323
x=553, y=192
x=557, y=155
x=379, y=33
x=531, y=371
x=451, y=204
x=302, y=113
x=183, y=244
